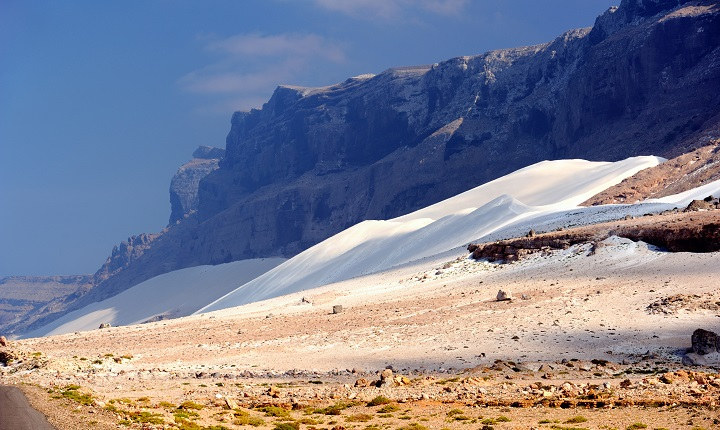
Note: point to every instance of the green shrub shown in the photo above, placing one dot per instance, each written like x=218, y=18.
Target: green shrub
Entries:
x=287, y=426
x=188, y=404
x=243, y=418
x=388, y=408
x=379, y=400
x=359, y=418
x=576, y=420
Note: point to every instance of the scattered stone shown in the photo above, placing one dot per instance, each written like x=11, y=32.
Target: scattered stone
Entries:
x=104, y=325
x=6, y=357
x=362, y=382
x=230, y=403
x=704, y=342
x=273, y=392
x=700, y=205
x=693, y=359
x=386, y=374
x=503, y=296
x=402, y=380
x=337, y=309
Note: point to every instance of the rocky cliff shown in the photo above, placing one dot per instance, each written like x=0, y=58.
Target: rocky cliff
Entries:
x=184, y=185
x=313, y=161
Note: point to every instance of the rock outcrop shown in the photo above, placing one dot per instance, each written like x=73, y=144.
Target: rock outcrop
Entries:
x=689, y=170
x=314, y=161
x=184, y=185
x=705, y=342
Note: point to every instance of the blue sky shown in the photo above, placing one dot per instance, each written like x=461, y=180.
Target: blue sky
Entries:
x=101, y=101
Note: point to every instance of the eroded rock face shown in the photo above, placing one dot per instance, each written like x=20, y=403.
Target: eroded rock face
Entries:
x=184, y=185
x=311, y=162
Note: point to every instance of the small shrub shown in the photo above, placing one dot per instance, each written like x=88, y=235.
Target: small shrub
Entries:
x=576, y=420
x=145, y=417
x=287, y=426
x=388, y=408
x=243, y=418
x=359, y=418
x=335, y=409
x=636, y=426
x=71, y=392
x=413, y=426
x=188, y=404
x=182, y=415
x=379, y=400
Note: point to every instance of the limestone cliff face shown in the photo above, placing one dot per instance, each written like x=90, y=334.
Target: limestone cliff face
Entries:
x=644, y=80
x=313, y=161
x=184, y=185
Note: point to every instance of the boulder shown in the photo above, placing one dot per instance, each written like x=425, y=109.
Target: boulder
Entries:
x=504, y=296
x=699, y=205
x=704, y=342
x=362, y=382
x=3, y=341
x=6, y=357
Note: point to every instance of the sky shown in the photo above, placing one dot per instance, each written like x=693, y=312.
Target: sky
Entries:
x=102, y=101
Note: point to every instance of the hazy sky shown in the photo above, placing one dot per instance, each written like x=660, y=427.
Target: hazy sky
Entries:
x=101, y=101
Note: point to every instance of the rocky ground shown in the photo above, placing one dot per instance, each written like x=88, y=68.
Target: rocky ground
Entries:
x=684, y=172
x=594, y=336
x=676, y=231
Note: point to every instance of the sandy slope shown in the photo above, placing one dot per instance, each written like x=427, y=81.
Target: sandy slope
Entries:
x=430, y=316
x=372, y=246
x=170, y=295
x=435, y=315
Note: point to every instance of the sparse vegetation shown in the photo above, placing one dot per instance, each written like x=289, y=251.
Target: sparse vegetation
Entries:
x=335, y=409
x=274, y=411
x=188, y=404
x=576, y=420
x=243, y=418
x=71, y=392
x=287, y=426
x=359, y=418
x=379, y=400
x=388, y=408
x=413, y=426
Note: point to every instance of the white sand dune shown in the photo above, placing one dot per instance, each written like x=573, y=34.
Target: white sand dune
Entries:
x=542, y=196
x=170, y=295
x=373, y=246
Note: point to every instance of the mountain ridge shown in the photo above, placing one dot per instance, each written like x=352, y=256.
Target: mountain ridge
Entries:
x=644, y=80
